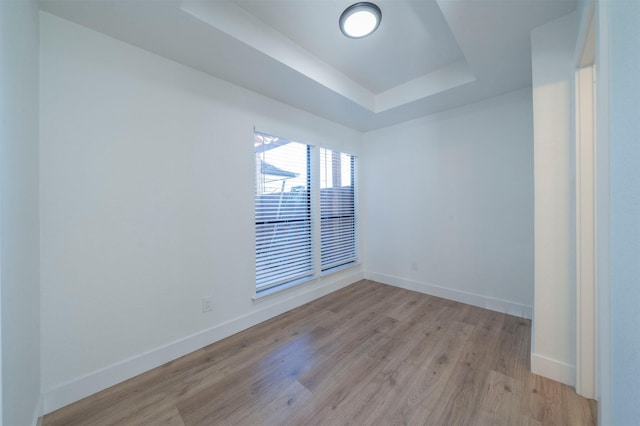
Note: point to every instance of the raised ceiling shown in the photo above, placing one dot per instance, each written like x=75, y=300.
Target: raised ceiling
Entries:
x=427, y=55
x=423, y=45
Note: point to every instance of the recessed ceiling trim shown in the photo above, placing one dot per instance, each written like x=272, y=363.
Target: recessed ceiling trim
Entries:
x=446, y=78
x=241, y=25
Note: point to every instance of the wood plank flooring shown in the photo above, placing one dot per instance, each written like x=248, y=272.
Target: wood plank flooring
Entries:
x=369, y=354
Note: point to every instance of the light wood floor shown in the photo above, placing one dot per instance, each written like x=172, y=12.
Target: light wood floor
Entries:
x=369, y=354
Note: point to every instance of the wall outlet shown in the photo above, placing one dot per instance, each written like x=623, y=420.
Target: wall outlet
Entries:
x=207, y=304
x=414, y=266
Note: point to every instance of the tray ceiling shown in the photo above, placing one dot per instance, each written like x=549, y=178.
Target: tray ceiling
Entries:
x=427, y=55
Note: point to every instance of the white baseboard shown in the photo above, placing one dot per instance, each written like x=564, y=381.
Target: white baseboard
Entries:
x=553, y=369
x=104, y=378
x=493, y=304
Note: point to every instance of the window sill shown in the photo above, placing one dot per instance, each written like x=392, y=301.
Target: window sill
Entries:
x=303, y=282
x=335, y=269
x=267, y=293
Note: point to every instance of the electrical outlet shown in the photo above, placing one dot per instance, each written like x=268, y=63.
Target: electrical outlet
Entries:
x=414, y=266
x=207, y=304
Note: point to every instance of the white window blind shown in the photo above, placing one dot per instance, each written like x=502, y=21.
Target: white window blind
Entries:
x=283, y=211
x=337, y=209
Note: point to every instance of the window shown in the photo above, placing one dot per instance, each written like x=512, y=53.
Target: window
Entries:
x=286, y=209
x=337, y=209
x=283, y=211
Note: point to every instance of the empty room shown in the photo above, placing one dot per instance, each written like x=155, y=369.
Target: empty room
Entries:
x=319, y=212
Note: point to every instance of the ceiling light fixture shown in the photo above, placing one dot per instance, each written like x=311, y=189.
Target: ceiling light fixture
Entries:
x=360, y=19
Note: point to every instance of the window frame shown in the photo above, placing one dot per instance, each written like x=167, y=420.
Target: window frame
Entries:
x=307, y=265
x=313, y=168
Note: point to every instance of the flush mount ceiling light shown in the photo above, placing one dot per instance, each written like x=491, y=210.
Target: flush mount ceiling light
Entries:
x=360, y=19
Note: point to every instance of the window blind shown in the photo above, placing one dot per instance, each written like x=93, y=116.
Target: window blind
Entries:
x=282, y=211
x=337, y=209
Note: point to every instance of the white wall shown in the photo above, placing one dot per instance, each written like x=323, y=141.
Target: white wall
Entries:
x=20, y=289
x=448, y=204
x=623, y=84
x=146, y=207
x=603, y=210
x=553, y=338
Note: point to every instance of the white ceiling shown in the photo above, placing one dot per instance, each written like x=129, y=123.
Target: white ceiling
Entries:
x=422, y=45
x=427, y=55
